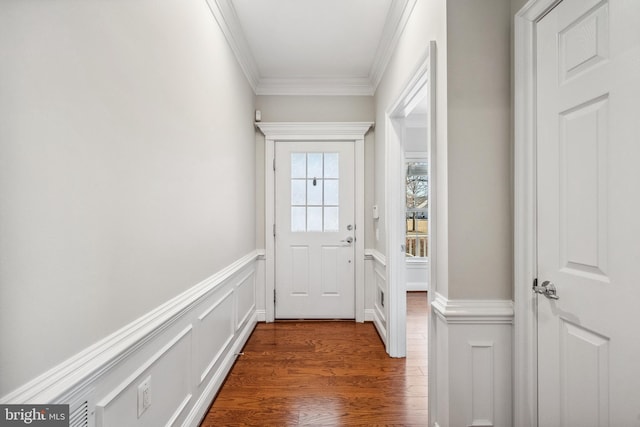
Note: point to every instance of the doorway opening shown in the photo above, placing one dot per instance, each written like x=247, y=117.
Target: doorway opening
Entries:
x=410, y=212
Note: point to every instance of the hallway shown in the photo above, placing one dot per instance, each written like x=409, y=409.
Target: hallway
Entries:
x=327, y=373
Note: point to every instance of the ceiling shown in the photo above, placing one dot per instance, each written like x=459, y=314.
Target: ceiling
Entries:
x=312, y=47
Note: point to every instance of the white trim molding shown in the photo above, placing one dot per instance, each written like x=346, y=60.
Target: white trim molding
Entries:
x=419, y=86
x=325, y=131
x=399, y=13
x=376, y=285
x=187, y=346
x=473, y=311
x=375, y=255
x=473, y=359
x=227, y=18
x=313, y=131
x=525, y=264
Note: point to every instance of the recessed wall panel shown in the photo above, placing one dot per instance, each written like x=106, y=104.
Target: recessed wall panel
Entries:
x=482, y=388
x=245, y=298
x=215, y=331
x=168, y=374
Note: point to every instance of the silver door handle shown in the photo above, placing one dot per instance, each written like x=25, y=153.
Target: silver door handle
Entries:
x=547, y=289
x=348, y=240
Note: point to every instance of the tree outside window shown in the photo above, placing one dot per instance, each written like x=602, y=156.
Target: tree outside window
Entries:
x=417, y=204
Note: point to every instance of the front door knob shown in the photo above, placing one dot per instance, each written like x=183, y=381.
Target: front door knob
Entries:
x=348, y=240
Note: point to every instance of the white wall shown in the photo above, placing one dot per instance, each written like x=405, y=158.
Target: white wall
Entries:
x=126, y=169
x=479, y=149
x=415, y=139
x=427, y=23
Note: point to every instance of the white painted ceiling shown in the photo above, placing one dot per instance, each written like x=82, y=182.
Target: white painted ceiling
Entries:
x=312, y=46
x=313, y=39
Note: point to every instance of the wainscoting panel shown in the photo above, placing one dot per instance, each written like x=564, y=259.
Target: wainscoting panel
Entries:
x=260, y=287
x=473, y=362
x=245, y=298
x=167, y=373
x=376, y=289
x=216, y=327
x=183, y=349
x=417, y=275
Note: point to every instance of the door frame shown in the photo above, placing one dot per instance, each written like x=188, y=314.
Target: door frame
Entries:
x=315, y=132
x=421, y=83
x=525, y=373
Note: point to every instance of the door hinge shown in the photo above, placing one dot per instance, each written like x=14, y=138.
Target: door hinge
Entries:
x=274, y=230
x=274, y=163
x=274, y=296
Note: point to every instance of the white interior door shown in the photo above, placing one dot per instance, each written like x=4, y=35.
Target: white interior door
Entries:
x=314, y=244
x=588, y=197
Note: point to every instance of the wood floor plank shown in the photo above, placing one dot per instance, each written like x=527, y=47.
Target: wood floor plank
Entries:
x=327, y=374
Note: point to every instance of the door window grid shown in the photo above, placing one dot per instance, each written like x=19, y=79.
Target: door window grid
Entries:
x=315, y=192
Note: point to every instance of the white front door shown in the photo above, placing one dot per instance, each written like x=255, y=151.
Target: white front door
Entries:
x=588, y=213
x=314, y=243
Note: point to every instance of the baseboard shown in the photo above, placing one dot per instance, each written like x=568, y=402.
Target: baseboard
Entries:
x=380, y=325
x=261, y=315
x=369, y=315
x=417, y=287
x=201, y=406
x=472, y=371
x=187, y=346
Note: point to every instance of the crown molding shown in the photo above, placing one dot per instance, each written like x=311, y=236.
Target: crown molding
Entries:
x=315, y=86
x=225, y=14
x=397, y=17
x=399, y=13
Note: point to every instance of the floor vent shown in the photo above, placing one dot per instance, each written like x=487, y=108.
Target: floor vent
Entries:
x=79, y=416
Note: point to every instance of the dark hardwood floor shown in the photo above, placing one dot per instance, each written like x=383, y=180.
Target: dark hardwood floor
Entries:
x=326, y=374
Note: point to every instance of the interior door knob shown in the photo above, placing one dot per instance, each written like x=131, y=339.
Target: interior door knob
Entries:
x=547, y=289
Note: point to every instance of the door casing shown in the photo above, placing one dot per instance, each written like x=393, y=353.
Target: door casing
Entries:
x=313, y=131
x=525, y=348
x=421, y=82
